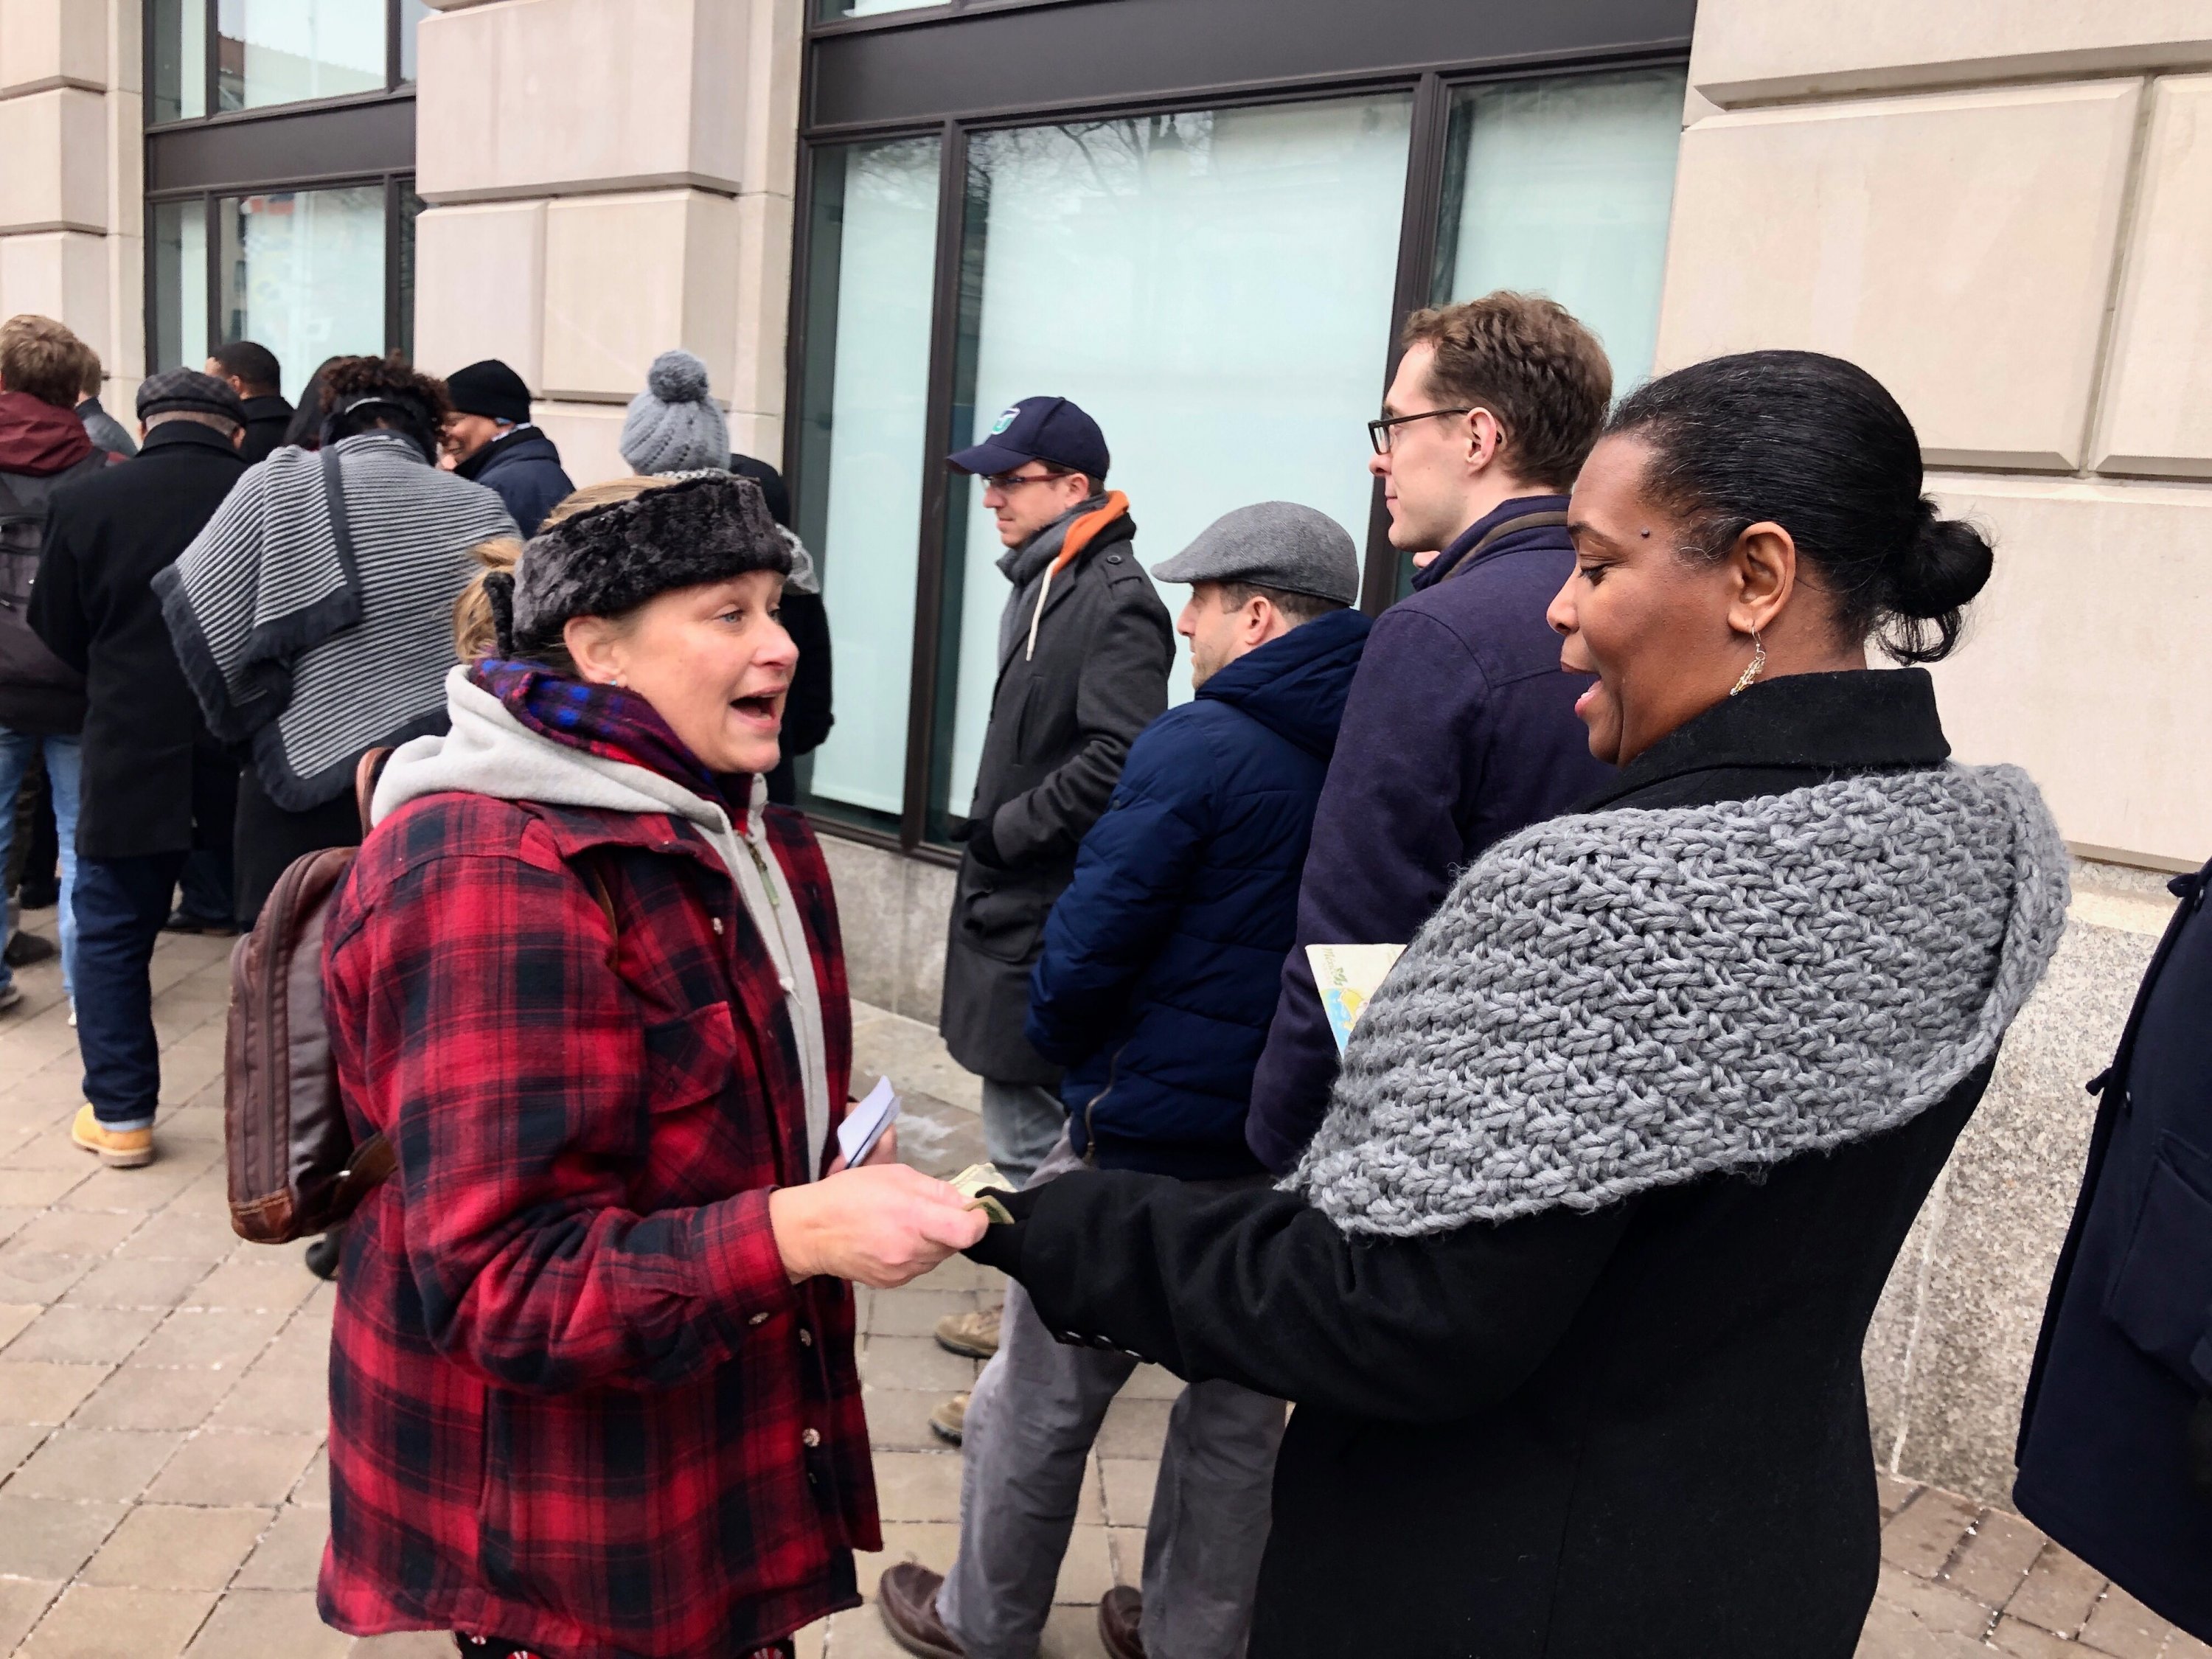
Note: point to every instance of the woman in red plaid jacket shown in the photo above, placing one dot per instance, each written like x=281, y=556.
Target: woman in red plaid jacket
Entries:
x=593, y=1394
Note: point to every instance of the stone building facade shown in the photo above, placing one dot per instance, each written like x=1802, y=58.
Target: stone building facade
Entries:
x=2002, y=208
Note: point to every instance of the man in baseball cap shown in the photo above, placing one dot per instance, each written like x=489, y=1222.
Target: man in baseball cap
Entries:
x=1159, y=973
x=1082, y=653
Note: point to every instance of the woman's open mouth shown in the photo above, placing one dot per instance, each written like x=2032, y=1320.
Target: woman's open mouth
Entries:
x=764, y=711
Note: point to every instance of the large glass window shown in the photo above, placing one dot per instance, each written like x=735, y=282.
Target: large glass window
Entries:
x=303, y=273
x=872, y=235
x=268, y=53
x=1215, y=289
x=1563, y=187
x=178, y=329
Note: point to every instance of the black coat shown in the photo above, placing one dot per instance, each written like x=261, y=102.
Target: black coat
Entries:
x=145, y=747
x=2125, y=1357
x=523, y=469
x=1061, y=724
x=268, y=417
x=1637, y=1432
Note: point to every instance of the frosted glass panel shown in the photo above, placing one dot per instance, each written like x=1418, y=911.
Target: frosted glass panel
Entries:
x=285, y=51
x=1562, y=187
x=1215, y=289
x=178, y=233
x=830, y=9
x=873, y=240
x=178, y=31
x=303, y=274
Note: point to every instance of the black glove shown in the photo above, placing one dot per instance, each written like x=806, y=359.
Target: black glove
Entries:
x=1002, y=1247
x=976, y=833
x=2199, y=1442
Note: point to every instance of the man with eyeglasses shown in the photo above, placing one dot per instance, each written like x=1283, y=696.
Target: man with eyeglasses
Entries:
x=1461, y=727
x=1084, y=649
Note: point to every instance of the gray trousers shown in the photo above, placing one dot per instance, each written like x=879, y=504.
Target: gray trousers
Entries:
x=1022, y=1121
x=1031, y=1420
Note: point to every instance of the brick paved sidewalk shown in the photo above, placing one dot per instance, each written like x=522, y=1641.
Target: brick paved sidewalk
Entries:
x=163, y=1487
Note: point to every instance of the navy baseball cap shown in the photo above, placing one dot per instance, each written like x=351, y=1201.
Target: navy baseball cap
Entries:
x=1049, y=430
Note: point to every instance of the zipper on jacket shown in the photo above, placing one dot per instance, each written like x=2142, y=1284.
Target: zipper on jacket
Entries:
x=1090, y=1107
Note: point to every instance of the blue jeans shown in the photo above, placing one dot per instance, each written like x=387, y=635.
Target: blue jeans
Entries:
x=206, y=883
x=121, y=904
x=64, y=767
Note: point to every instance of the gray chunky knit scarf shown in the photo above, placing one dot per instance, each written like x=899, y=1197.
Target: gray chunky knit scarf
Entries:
x=1635, y=998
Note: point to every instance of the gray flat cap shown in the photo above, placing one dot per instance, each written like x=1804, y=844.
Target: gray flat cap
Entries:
x=186, y=391
x=1272, y=544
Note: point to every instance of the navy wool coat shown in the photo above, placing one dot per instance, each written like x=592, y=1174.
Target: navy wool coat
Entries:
x=2125, y=1360
x=1163, y=960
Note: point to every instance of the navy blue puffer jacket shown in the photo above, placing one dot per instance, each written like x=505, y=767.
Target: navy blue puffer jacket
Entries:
x=1163, y=960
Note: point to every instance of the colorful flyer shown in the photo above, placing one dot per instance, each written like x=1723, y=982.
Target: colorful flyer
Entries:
x=1347, y=975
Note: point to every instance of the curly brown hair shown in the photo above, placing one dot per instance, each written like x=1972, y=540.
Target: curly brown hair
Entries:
x=1528, y=361
x=345, y=378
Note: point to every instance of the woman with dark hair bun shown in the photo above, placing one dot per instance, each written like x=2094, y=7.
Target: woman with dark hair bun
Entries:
x=1570, y=1288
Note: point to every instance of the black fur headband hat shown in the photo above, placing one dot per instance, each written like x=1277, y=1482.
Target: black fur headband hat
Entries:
x=612, y=559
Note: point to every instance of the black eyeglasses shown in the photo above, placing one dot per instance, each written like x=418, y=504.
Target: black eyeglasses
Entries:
x=1379, y=432
x=1009, y=480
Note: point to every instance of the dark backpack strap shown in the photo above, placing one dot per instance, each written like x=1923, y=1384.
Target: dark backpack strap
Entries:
x=373, y=1162
x=1498, y=533
x=366, y=773
x=341, y=526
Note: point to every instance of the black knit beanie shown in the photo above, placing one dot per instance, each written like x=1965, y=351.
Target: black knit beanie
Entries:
x=610, y=560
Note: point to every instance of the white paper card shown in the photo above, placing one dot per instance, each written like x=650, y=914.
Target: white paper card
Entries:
x=865, y=1124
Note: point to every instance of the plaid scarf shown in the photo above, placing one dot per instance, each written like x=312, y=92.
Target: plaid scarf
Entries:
x=605, y=721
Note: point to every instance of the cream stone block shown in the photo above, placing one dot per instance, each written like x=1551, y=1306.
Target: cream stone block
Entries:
x=2157, y=411
x=61, y=274
x=1960, y=246
x=480, y=288
x=588, y=436
x=760, y=436
x=775, y=37
x=2083, y=661
x=51, y=43
x=557, y=97
x=628, y=276
x=1746, y=50
x=764, y=302
x=125, y=357
x=53, y=160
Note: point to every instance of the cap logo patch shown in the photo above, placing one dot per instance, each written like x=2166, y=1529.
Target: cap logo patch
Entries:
x=1007, y=420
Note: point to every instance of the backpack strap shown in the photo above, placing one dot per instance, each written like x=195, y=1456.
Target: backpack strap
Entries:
x=373, y=1163
x=341, y=526
x=366, y=773
x=1498, y=532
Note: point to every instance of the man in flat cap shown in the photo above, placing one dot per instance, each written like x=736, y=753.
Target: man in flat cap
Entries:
x=151, y=773
x=1161, y=966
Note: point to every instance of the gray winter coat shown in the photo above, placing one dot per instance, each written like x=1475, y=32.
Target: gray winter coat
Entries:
x=1062, y=719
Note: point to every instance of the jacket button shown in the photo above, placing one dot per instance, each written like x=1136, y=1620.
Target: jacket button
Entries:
x=758, y=1319
x=1113, y=558
x=805, y=1337
x=811, y=1438
x=718, y=926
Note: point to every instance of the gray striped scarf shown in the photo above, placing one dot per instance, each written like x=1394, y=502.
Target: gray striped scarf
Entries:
x=308, y=655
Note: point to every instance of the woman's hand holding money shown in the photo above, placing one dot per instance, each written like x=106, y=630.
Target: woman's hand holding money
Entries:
x=881, y=1224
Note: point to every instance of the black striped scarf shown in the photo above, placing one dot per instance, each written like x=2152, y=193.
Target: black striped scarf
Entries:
x=308, y=655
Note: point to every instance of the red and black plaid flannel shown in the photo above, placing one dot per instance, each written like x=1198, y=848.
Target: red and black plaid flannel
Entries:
x=575, y=1402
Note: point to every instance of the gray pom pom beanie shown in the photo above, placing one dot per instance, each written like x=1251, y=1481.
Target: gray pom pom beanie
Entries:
x=613, y=559
x=672, y=425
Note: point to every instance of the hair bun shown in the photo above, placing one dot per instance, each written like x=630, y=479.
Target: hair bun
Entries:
x=678, y=377
x=1944, y=565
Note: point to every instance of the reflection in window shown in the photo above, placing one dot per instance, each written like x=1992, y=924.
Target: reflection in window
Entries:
x=180, y=60
x=1563, y=187
x=411, y=14
x=286, y=51
x=1215, y=289
x=829, y=10
x=177, y=233
x=302, y=273
x=873, y=236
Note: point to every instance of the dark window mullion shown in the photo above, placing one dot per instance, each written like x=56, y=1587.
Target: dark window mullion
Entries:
x=1417, y=259
x=392, y=341
x=211, y=232
x=211, y=41
x=930, y=577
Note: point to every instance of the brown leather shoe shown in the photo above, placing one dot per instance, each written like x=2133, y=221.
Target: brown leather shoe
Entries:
x=970, y=1335
x=1118, y=1618
x=906, y=1596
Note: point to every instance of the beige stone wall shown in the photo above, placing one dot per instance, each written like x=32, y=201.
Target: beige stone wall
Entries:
x=72, y=194
x=609, y=179
x=2003, y=208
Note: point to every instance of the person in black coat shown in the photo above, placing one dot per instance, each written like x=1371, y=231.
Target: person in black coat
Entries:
x=147, y=755
x=252, y=371
x=1570, y=1287
x=492, y=441
x=808, y=715
x=1084, y=647
x=2116, y=1435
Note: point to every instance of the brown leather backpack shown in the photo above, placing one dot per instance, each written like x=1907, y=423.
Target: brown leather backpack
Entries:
x=295, y=1169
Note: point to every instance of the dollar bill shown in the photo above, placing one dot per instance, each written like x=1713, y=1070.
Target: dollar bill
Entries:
x=972, y=1182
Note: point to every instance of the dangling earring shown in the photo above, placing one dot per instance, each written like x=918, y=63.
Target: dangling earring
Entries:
x=1753, y=668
